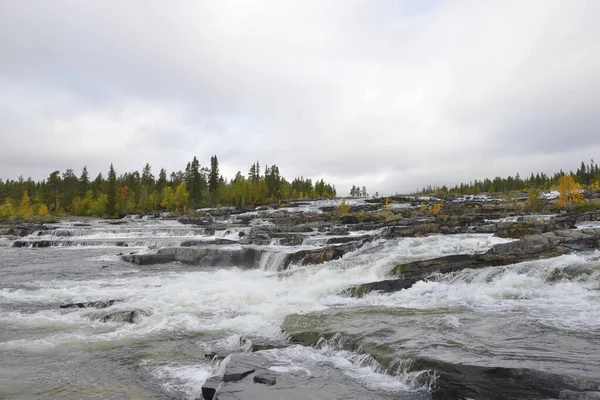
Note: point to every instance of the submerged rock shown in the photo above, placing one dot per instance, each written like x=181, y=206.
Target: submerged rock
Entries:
x=92, y=304
x=123, y=316
x=148, y=259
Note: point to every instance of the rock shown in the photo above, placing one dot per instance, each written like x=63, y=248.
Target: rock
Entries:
x=389, y=285
x=123, y=316
x=452, y=380
x=148, y=259
x=349, y=219
x=189, y=243
x=38, y=243
x=236, y=372
x=92, y=304
x=265, y=379
x=338, y=230
x=244, y=257
x=210, y=388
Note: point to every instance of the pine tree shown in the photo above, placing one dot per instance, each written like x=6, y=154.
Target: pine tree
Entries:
x=213, y=177
x=162, y=180
x=147, y=178
x=111, y=192
x=84, y=182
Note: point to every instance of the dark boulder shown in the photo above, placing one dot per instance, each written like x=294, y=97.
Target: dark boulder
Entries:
x=189, y=243
x=123, y=316
x=92, y=304
x=265, y=379
x=385, y=286
x=211, y=387
x=148, y=259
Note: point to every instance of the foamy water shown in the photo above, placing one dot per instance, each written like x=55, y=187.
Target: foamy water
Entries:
x=227, y=308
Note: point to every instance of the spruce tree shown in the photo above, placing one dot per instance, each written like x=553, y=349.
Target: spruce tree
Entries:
x=111, y=192
x=213, y=177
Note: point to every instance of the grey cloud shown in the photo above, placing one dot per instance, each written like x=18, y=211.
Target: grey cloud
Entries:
x=387, y=94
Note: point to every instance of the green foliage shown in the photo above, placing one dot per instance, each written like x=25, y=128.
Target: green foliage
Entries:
x=534, y=200
x=25, y=207
x=99, y=206
x=181, y=197
x=585, y=206
x=111, y=193
x=133, y=192
x=343, y=208
x=42, y=211
x=167, y=199
x=585, y=175
x=7, y=210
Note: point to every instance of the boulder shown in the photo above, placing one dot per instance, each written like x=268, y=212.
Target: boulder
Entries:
x=244, y=257
x=211, y=387
x=148, y=259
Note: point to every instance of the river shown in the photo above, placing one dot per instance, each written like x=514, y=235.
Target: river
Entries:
x=153, y=341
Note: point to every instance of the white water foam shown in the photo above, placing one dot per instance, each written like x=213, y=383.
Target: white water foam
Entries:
x=561, y=292
x=184, y=381
x=245, y=302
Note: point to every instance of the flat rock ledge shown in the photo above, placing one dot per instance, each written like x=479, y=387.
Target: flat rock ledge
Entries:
x=240, y=256
x=529, y=248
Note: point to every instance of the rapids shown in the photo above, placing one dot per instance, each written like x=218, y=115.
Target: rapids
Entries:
x=154, y=341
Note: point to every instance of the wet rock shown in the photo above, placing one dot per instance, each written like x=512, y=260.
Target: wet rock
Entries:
x=447, y=380
x=37, y=243
x=92, y=304
x=148, y=259
x=236, y=372
x=519, y=229
x=349, y=239
x=265, y=379
x=21, y=230
x=338, y=230
x=123, y=316
x=385, y=286
x=245, y=257
x=458, y=381
x=349, y=220
x=210, y=388
x=217, y=241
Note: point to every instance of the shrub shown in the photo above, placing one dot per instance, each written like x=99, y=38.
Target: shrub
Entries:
x=585, y=206
x=534, y=200
x=343, y=208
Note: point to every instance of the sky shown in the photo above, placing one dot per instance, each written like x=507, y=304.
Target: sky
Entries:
x=393, y=95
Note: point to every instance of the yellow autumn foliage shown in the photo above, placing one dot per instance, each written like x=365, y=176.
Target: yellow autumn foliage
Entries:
x=569, y=191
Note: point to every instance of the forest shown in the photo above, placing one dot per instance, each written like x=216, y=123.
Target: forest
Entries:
x=134, y=192
x=587, y=175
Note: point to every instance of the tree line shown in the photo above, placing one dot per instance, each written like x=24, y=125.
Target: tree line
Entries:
x=134, y=192
x=587, y=175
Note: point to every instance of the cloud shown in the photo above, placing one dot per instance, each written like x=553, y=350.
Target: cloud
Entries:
x=386, y=94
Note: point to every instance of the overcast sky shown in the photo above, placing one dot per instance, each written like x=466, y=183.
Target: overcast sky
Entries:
x=393, y=95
